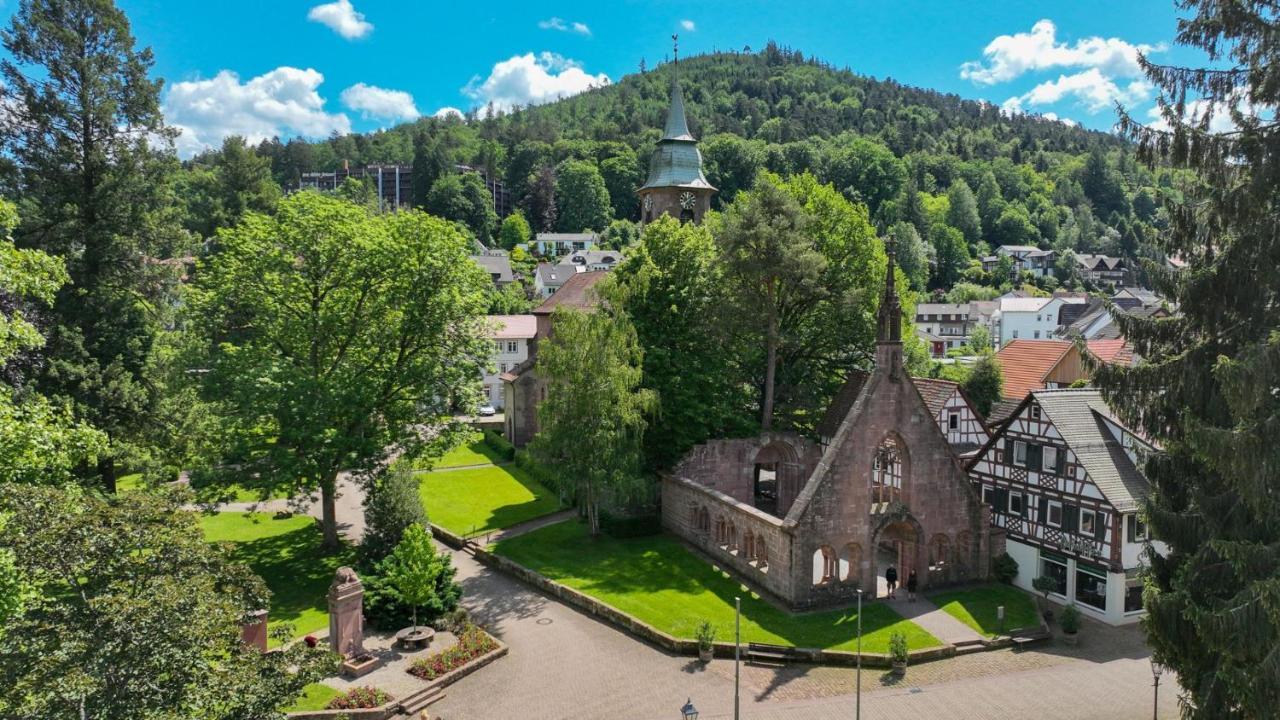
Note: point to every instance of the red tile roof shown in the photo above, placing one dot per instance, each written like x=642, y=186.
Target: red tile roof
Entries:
x=512, y=327
x=1026, y=363
x=1112, y=352
x=575, y=293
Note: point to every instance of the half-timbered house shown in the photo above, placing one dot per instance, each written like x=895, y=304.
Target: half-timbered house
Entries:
x=1061, y=476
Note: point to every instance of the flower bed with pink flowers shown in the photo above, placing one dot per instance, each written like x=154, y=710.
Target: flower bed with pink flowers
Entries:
x=359, y=698
x=473, y=643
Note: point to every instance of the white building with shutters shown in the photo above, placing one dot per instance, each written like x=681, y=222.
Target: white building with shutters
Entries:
x=1062, y=478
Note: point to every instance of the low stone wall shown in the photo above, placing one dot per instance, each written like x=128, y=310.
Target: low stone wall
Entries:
x=382, y=712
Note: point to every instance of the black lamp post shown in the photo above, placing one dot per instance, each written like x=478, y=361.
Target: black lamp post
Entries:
x=1156, y=670
x=689, y=712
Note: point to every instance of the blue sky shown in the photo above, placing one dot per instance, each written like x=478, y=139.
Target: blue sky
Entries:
x=313, y=66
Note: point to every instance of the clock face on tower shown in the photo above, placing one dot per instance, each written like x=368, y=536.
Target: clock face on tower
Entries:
x=687, y=200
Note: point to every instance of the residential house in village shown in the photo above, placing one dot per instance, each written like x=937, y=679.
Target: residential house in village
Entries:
x=1103, y=270
x=1026, y=258
x=554, y=245
x=1030, y=365
x=1061, y=477
x=548, y=278
x=498, y=266
x=596, y=259
x=1030, y=318
x=511, y=335
x=947, y=325
x=522, y=388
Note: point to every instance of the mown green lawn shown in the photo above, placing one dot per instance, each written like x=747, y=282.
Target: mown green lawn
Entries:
x=286, y=554
x=484, y=499
x=473, y=453
x=314, y=697
x=976, y=607
x=659, y=581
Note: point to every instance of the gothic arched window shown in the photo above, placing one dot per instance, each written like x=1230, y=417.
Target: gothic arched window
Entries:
x=886, y=472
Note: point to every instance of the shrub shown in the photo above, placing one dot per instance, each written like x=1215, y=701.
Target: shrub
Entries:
x=472, y=643
x=391, y=505
x=540, y=473
x=706, y=635
x=898, y=647
x=1004, y=568
x=499, y=444
x=1070, y=621
x=387, y=607
x=359, y=698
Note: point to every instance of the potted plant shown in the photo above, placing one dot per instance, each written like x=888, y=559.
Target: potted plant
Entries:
x=1045, y=585
x=706, y=636
x=898, y=654
x=1070, y=623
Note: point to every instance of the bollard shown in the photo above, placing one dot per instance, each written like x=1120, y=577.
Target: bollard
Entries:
x=1000, y=617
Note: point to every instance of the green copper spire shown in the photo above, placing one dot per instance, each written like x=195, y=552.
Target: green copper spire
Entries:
x=676, y=161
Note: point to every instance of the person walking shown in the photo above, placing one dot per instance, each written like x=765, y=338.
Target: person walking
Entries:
x=891, y=579
x=912, y=581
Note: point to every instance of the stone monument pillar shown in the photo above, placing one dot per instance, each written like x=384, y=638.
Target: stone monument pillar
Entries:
x=253, y=631
x=346, y=614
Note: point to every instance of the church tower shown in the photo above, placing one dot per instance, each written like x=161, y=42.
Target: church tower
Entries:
x=676, y=185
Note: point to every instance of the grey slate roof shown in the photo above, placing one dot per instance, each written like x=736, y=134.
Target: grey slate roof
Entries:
x=676, y=161
x=498, y=267
x=555, y=276
x=1079, y=415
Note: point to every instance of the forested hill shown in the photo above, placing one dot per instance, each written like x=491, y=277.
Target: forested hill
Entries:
x=575, y=164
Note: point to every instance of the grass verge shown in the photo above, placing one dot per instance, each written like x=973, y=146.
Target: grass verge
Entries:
x=976, y=607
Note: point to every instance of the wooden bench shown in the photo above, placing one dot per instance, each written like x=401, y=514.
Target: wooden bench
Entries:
x=776, y=653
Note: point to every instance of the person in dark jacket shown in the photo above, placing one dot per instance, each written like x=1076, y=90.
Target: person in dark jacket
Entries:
x=912, y=581
x=891, y=579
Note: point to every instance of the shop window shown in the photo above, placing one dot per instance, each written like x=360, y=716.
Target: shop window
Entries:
x=1055, y=569
x=1133, y=595
x=1091, y=587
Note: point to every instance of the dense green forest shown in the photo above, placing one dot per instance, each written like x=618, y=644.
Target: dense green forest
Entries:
x=936, y=162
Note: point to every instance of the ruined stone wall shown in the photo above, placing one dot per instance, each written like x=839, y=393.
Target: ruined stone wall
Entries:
x=728, y=466
x=748, y=541
x=837, y=517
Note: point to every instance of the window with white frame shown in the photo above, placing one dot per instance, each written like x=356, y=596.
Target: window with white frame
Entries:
x=1137, y=529
x=1091, y=587
x=1015, y=503
x=1055, y=514
x=497, y=346
x=988, y=495
x=512, y=346
x=1050, y=458
x=1037, y=335
x=1035, y=412
x=1088, y=521
x=953, y=421
x=1015, y=334
x=1019, y=453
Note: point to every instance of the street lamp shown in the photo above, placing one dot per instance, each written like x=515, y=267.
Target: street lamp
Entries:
x=1156, y=670
x=857, y=713
x=689, y=712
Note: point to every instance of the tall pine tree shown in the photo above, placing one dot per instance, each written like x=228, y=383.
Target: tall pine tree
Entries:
x=82, y=117
x=1207, y=393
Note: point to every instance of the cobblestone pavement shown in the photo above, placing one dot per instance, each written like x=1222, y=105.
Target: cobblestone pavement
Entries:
x=565, y=664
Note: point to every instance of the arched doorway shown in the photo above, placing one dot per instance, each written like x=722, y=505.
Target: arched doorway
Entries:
x=897, y=542
x=775, y=478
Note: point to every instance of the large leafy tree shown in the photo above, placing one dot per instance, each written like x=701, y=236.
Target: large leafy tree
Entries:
x=592, y=421
x=672, y=289
x=131, y=614
x=464, y=198
x=333, y=334
x=81, y=116
x=582, y=197
x=40, y=441
x=803, y=259
x=1206, y=392
x=223, y=185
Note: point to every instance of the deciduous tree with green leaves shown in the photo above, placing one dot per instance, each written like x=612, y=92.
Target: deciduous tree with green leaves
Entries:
x=131, y=614
x=332, y=336
x=592, y=422
x=514, y=231
x=582, y=198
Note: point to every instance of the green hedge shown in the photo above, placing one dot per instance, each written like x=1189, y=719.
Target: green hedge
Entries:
x=494, y=439
x=630, y=526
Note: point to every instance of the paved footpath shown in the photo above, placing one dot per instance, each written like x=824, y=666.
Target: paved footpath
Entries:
x=930, y=617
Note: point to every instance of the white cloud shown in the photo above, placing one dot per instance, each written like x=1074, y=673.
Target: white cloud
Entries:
x=1010, y=56
x=1091, y=89
x=341, y=17
x=1194, y=113
x=446, y=111
x=556, y=23
x=532, y=79
x=284, y=101
x=1054, y=116
x=379, y=103
x=688, y=25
